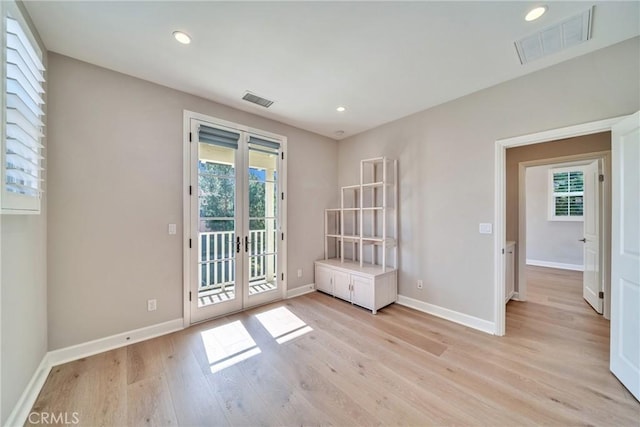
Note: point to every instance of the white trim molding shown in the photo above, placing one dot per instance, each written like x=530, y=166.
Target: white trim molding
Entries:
x=450, y=315
x=21, y=411
x=559, y=265
x=561, y=133
x=75, y=352
x=301, y=290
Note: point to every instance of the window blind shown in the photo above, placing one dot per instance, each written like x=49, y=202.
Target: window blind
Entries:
x=215, y=136
x=264, y=142
x=24, y=113
x=263, y=145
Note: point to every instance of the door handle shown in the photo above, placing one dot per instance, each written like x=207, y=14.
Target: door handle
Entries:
x=583, y=240
x=238, y=244
x=246, y=243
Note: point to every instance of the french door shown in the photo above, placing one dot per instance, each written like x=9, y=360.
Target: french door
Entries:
x=236, y=219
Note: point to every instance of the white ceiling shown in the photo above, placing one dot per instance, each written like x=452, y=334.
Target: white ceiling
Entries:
x=382, y=60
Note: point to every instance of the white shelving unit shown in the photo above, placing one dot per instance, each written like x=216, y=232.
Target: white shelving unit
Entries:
x=361, y=239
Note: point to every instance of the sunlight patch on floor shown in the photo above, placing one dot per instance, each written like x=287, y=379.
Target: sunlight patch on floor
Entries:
x=282, y=324
x=227, y=345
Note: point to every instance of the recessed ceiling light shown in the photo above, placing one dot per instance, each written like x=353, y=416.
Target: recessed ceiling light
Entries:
x=183, y=38
x=535, y=13
x=340, y=109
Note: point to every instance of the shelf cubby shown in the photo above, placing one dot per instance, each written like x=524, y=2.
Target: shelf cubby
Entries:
x=364, y=228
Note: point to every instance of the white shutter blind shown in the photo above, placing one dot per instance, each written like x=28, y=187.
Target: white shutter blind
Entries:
x=568, y=191
x=566, y=194
x=24, y=90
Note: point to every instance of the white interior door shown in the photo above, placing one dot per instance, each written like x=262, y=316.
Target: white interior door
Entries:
x=625, y=254
x=591, y=279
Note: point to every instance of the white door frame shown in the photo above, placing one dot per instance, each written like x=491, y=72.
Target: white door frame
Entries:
x=604, y=206
x=501, y=146
x=186, y=207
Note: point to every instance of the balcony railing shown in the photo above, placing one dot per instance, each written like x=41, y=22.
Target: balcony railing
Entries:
x=217, y=258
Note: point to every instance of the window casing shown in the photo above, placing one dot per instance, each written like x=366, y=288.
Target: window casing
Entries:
x=566, y=194
x=22, y=114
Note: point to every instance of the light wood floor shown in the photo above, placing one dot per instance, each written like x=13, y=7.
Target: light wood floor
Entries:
x=348, y=367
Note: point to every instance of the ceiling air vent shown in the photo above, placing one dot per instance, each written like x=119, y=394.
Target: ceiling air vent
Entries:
x=570, y=32
x=263, y=102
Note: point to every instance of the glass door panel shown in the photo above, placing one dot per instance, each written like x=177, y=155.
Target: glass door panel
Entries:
x=216, y=193
x=262, y=266
x=217, y=290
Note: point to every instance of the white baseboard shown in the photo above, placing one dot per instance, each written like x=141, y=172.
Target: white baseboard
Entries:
x=100, y=345
x=559, y=265
x=21, y=411
x=445, y=313
x=301, y=290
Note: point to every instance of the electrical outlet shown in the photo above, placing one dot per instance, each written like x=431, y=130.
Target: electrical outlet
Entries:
x=299, y=272
x=152, y=305
x=419, y=284
x=172, y=229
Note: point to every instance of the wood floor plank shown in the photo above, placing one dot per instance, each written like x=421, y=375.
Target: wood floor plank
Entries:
x=269, y=378
x=414, y=365
x=146, y=359
x=193, y=399
x=536, y=366
x=494, y=368
x=93, y=388
x=149, y=403
x=352, y=374
x=337, y=364
x=240, y=405
x=397, y=332
x=396, y=400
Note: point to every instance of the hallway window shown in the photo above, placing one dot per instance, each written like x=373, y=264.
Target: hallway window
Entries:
x=566, y=190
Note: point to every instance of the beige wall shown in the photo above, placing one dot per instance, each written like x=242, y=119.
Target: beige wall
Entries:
x=115, y=179
x=24, y=303
x=446, y=164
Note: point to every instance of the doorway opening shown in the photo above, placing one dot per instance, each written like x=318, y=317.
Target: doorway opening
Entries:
x=563, y=218
x=624, y=357
x=502, y=211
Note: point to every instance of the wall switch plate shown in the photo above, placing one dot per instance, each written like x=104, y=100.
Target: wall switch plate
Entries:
x=486, y=228
x=172, y=229
x=419, y=284
x=152, y=304
x=299, y=272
